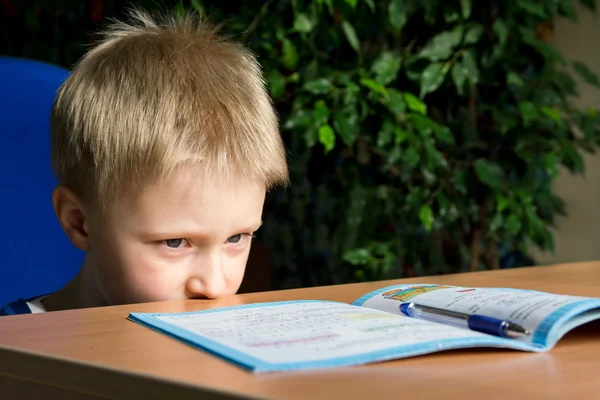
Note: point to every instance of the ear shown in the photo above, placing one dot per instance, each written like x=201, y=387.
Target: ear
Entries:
x=71, y=216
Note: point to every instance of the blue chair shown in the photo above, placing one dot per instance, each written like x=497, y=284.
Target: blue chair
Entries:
x=36, y=257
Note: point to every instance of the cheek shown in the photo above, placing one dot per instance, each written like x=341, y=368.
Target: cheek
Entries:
x=146, y=280
x=235, y=271
x=135, y=275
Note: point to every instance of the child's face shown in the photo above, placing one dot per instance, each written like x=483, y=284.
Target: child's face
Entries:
x=183, y=237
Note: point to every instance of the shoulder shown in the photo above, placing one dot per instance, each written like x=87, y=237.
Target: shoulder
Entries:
x=21, y=306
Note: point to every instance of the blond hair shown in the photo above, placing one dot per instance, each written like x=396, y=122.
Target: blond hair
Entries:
x=156, y=93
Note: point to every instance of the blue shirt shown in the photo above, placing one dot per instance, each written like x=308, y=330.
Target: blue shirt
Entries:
x=19, y=306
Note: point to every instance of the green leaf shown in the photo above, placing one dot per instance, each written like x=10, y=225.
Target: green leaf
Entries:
x=571, y=157
x=393, y=155
x=290, y=56
x=395, y=102
x=399, y=135
x=358, y=257
x=444, y=134
x=470, y=65
x=473, y=34
x=351, y=35
x=318, y=86
x=327, y=137
x=445, y=206
x=311, y=71
x=426, y=216
x=302, y=23
x=352, y=3
x=386, y=67
x=351, y=93
x=371, y=5
x=553, y=114
x=465, y=6
x=549, y=51
x=566, y=8
x=385, y=136
x=586, y=74
x=197, y=6
x=276, y=83
x=342, y=77
x=320, y=112
x=180, y=11
x=463, y=71
x=489, y=173
x=551, y=164
x=496, y=222
x=533, y=7
x=537, y=230
x=432, y=78
x=397, y=14
x=451, y=16
x=346, y=125
x=589, y=124
x=459, y=180
x=528, y=111
x=310, y=137
x=328, y=3
x=442, y=46
x=416, y=196
x=391, y=131
x=546, y=239
x=506, y=120
x=502, y=202
x=424, y=125
x=499, y=27
x=513, y=79
x=374, y=86
x=299, y=119
x=295, y=77
x=411, y=157
x=435, y=159
x=459, y=76
x=513, y=224
x=414, y=103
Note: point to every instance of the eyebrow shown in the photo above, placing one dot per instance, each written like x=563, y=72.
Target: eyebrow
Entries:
x=186, y=232
x=250, y=227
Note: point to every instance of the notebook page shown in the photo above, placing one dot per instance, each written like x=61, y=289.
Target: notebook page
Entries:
x=536, y=311
x=292, y=332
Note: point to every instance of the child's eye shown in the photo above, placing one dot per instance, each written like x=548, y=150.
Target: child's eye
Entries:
x=238, y=238
x=235, y=238
x=174, y=243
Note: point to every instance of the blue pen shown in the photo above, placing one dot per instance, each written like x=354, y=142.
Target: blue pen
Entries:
x=479, y=323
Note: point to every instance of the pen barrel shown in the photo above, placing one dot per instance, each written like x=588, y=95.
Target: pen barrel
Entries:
x=434, y=315
x=489, y=325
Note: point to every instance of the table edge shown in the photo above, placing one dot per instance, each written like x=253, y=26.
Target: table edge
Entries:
x=99, y=380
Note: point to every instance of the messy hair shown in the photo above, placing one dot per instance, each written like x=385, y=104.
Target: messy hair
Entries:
x=156, y=93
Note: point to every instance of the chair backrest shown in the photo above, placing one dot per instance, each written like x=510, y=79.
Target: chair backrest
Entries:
x=36, y=257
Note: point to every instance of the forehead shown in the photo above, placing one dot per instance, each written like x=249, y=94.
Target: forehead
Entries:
x=188, y=200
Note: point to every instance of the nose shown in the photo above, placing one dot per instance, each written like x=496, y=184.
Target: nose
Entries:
x=208, y=278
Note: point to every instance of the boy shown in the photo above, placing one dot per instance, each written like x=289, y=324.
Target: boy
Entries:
x=165, y=142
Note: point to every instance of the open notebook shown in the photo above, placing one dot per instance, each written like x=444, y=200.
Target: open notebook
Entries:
x=294, y=335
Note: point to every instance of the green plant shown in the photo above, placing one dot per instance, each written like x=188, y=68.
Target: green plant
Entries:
x=424, y=136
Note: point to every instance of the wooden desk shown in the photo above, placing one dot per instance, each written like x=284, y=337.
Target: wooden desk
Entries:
x=97, y=353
